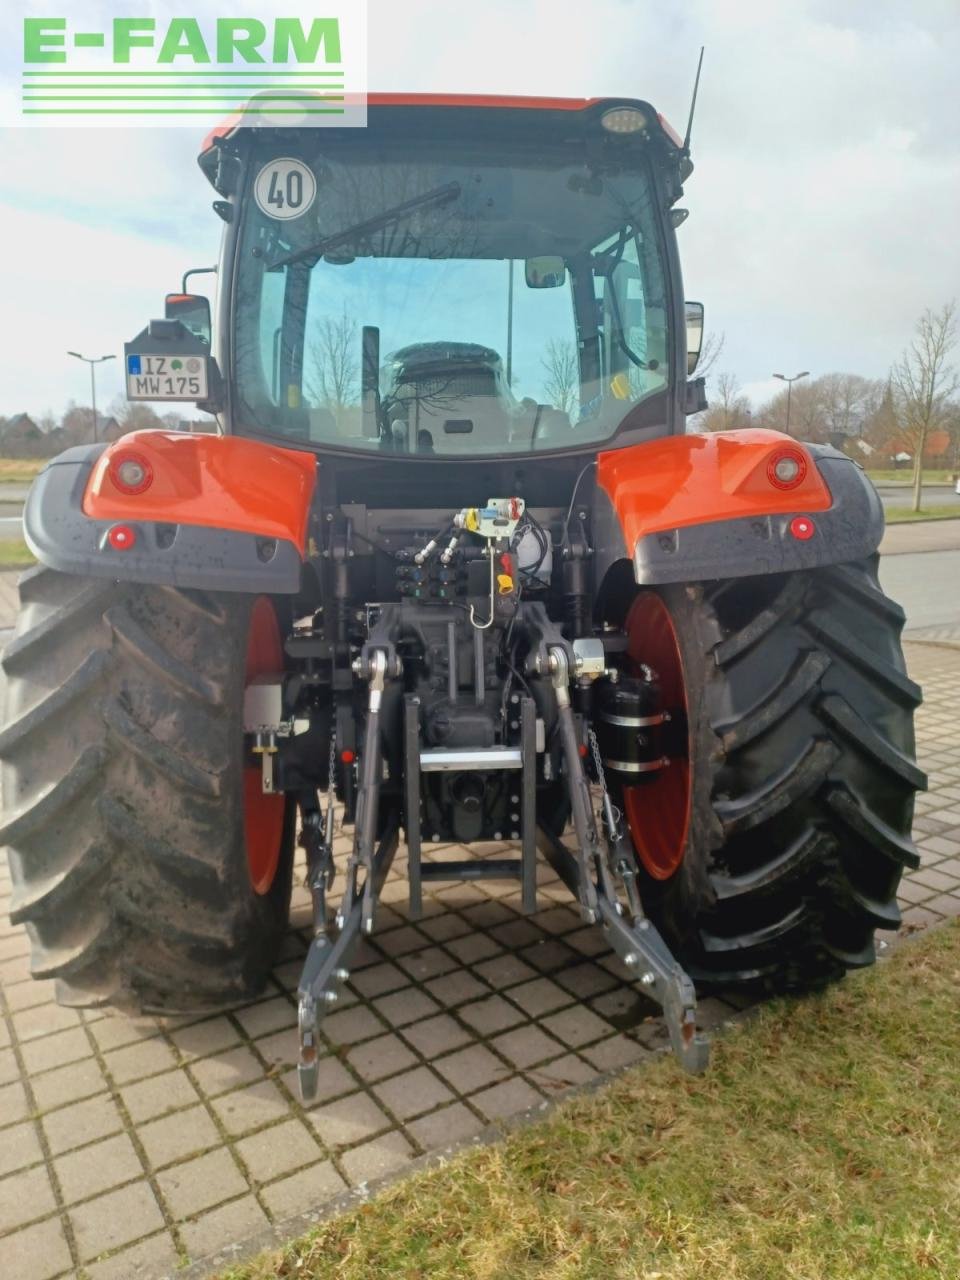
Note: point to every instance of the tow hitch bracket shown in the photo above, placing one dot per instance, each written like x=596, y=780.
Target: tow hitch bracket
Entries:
x=641, y=948
x=597, y=873
x=326, y=968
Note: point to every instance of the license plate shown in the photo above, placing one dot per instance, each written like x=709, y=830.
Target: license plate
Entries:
x=166, y=377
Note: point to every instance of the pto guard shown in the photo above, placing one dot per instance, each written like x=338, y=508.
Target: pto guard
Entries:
x=220, y=512
x=690, y=508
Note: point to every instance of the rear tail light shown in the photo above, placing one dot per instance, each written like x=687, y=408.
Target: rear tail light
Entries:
x=130, y=472
x=121, y=537
x=786, y=468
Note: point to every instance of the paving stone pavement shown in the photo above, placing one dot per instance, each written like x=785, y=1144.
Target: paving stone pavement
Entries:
x=131, y=1147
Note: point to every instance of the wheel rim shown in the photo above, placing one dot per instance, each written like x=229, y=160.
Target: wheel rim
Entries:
x=658, y=813
x=262, y=814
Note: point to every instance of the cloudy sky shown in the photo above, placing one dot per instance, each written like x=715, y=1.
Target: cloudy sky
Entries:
x=825, y=206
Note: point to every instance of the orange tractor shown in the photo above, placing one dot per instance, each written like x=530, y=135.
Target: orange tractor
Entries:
x=449, y=566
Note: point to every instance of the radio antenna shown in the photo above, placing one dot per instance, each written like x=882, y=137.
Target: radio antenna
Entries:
x=693, y=106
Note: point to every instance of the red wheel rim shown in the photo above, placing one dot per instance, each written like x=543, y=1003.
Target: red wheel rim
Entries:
x=658, y=813
x=262, y=814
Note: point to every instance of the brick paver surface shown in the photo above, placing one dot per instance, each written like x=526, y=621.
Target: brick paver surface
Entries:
x=129, y=1147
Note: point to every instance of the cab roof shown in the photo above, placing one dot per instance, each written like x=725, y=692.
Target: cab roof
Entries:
x=495, y=102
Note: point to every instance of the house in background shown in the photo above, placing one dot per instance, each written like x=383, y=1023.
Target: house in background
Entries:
x=57, y=441
x=20, y=437
x=109, y=429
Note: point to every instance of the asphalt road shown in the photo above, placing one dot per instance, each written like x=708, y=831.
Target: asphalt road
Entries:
x=926, y=584
x=893, y=495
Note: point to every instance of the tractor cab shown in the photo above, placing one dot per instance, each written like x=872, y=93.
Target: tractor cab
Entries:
x=462, y=278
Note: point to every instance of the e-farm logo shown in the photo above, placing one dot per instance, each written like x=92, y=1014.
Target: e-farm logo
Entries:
x=292, y=69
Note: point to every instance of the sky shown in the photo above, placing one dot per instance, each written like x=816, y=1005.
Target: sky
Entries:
x=824, y=207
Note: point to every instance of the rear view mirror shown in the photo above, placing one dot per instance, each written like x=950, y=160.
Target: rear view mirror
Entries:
x=193, y=312
x=694, y=334
x=548, y=272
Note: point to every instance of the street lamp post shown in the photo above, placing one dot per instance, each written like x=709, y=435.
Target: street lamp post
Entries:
x=790, y=381
x=91, y=361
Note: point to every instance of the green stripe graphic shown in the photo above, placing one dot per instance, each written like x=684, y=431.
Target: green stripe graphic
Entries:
x=338, y=74
x=180, y=97
x=177, y=111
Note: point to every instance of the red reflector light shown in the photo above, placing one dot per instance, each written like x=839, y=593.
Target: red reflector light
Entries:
x=786, y=468
x=802, y=528
x=130, y=472
x=121, y=537
x=347, y=757
x=582, y=749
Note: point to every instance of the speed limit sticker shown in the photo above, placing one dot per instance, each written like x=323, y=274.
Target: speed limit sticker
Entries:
x=285, y=188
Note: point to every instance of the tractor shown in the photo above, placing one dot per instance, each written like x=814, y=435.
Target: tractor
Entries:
x=447, y=567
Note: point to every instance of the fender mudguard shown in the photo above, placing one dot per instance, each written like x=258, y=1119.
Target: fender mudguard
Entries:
x=693, y=508
x=220, y=512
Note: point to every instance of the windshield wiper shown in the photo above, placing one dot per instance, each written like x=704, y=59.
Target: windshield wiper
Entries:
x=439, y=195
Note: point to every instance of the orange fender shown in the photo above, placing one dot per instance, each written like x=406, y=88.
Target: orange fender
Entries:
x=697, y=508
x=222, y=482
x=679, y=481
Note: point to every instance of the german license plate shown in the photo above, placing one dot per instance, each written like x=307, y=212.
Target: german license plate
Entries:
x=166, y=377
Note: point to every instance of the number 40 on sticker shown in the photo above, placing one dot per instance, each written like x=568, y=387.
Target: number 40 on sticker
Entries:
x=285, y=188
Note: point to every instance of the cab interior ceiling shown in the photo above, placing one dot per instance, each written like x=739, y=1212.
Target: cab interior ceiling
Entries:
x=494, y=207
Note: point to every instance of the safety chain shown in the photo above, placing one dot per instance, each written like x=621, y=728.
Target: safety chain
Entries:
x=331, y=766
x=610, y=811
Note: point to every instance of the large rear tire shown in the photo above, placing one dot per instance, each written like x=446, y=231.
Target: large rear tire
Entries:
x=802, y=775
x=124, y=784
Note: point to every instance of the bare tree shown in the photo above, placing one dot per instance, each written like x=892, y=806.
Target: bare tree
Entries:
x=881, y=429
x=77, y=424
x=562, y=381
x=335, y=355
x=729, y=408
x=138, y=417
x=710, y=353
x=846, y=402
x=806, y=413
x=951, y=424
x=923, y=381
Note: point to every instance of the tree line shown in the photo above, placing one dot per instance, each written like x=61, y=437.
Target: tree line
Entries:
x=914, y=410
x=76, y=426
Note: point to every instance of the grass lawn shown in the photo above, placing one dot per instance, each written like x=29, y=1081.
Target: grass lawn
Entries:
x=937, y=511
x=20, y=470
x=905, y=476
x=15, y=554
x=823, y=1144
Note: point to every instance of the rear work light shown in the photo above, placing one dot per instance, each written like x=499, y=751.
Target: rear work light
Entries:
x=786, y=469
x=130, y=472
x=623, y=120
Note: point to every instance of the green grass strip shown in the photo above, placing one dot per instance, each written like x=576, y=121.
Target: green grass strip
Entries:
x=939, y=511
x=822, y=1144
x=15, y=554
